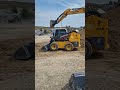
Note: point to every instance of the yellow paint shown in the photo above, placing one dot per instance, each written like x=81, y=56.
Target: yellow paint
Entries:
x=73, y=37
x=97, y=27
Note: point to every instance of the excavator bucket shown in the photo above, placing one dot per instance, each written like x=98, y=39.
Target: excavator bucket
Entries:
x=25, y=52
x=53, y=23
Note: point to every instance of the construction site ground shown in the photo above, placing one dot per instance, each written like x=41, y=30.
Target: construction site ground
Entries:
x=103, y=71
x=54, y=68
x=15, y=73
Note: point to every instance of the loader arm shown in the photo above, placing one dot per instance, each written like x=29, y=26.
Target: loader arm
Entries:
x=66, y=13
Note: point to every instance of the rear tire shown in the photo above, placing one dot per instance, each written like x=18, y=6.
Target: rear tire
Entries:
x=54, y=46
x=88, y=50
x=69, y=47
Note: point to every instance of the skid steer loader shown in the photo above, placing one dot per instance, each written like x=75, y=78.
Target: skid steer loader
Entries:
x=62, y=39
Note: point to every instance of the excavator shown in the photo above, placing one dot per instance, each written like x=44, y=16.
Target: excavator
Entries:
x=96, y=29
x=62, y=39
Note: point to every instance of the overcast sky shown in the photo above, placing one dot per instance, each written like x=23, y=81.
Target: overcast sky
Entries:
x=46, y=10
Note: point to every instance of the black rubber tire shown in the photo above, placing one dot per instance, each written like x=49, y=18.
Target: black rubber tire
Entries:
x=72, y=47
x=55, y=44
x=88, y=50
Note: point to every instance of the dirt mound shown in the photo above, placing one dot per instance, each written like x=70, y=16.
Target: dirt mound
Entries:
x=114, y=28
x=82, y=33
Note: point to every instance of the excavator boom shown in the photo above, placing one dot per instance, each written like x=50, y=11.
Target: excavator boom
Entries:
x=65, y=13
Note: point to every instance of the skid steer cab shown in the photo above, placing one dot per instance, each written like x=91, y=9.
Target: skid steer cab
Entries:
x=62, y=39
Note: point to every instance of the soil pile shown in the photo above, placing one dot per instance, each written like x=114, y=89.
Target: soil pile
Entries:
x=82, y=34
x=114, y=28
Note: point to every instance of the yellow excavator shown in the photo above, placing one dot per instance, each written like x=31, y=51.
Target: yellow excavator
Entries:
x=96, y=29
x=62, y=39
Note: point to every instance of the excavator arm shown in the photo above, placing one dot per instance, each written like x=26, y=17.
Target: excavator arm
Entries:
x=65, y=13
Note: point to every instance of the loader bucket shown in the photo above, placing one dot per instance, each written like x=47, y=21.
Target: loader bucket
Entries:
x=45, y=48
x=25, y=52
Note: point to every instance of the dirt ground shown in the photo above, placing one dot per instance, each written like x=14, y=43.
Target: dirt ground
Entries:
x=20, y=73
x=54, y=68
x=12, y=70
x=103, y=71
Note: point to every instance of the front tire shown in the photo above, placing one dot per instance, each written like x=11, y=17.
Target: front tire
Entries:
x=88, y=50
x=54, y=46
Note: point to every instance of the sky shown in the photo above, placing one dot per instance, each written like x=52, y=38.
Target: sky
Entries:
x=46, y=10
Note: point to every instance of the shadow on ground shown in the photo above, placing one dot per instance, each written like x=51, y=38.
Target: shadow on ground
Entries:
x=97, y=55
x=66, y=87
